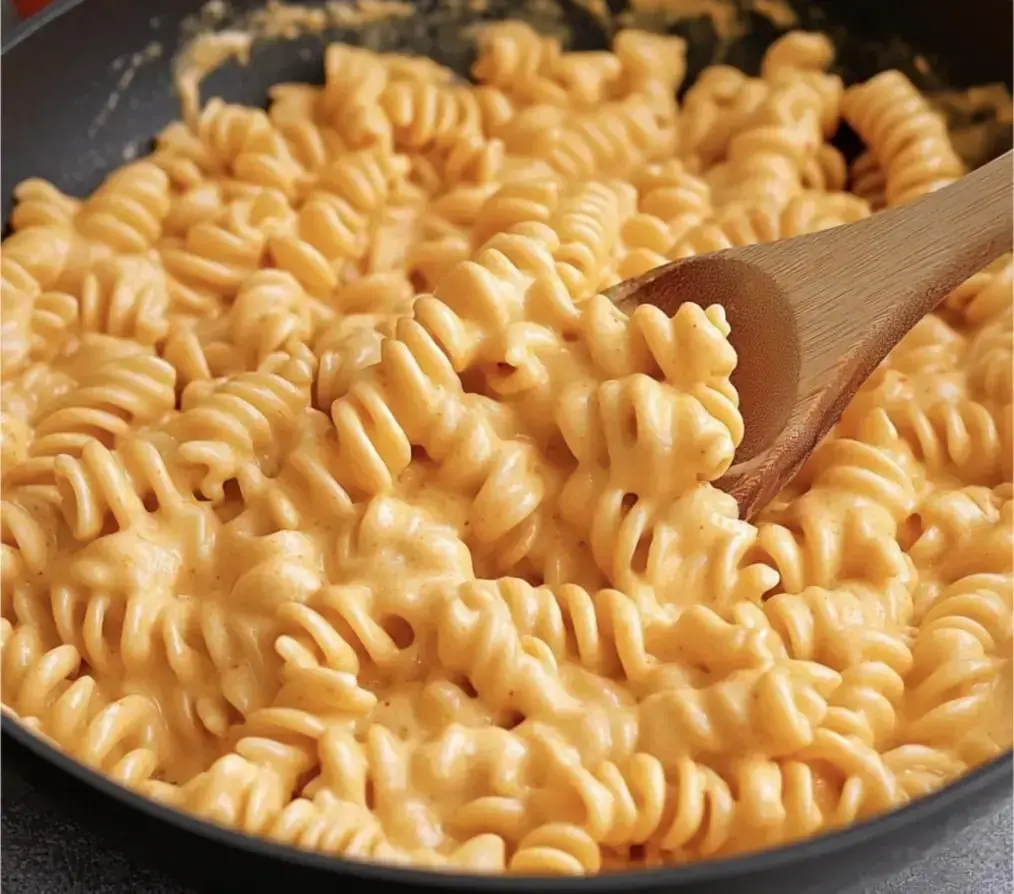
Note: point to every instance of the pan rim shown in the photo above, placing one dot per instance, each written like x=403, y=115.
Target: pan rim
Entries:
x=29, y=26
x=985, y=777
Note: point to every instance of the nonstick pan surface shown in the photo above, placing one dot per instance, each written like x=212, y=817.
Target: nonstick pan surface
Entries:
x=87, y=79
x=82, y=90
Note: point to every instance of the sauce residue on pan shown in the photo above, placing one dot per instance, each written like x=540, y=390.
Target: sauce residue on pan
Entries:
x=126, y=68
x=217, y=34
x=204, y=48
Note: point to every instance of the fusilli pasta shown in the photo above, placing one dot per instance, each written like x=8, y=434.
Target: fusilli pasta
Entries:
x=342, y=507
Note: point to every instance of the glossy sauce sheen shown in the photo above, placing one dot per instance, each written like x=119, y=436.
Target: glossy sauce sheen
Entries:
x=340, y=506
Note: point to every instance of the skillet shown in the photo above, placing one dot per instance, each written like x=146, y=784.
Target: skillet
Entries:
x=70, y=110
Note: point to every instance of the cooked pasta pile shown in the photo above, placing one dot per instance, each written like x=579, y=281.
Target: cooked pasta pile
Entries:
x=340, y=506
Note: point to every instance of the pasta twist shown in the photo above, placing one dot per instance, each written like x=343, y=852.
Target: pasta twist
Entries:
x=366, y=179
x=332, y=226
x=945, y=431
x=15, y=330
x=343, y=505
x=304, y=489
x=105, y=406
x=101, y=485
x=184, y=159
x=718, y=104
x=670, y=202
x=270, y=311
x=835, y=627
x=785, y=800
x=906, y=137
x=40, y=204
x=734, y=227
x=38, y=259
x=251, y=788
x=636, y=543
x=344, y=353
x=123, y=297
x=339, y=627
x=476, y=637
x=353, y=77
x=811, y=212
x=514, y=204
x=623, y=416
x=920, y=770
x=121, y=737
x=515, y=58
x=695, y=811
x=332, y=826
x=612, y=140
x=27, y=521
x=556, y=849
x=212, y=666
x=293, y=112
x=15, y=436
x=806, y=212
x=308, y=699
x=949, y=522
x=931, y=346
x=195, y=200
x=957, y=655
x=588, y=221
x=246, y=419
x=804, y=57
x=651, y=65
x=610, y=633
x=867, y=705
x=389, y=409
x=667, y=190
x=984, y=296
x=223, y=130
x=603, y=631
x=991, y=357
x=431, y=115
x=510, y=205
x=843, y=528
x=778, y=709
x=827, y=171
x=532, y=70
x=210, y=264
x=127, y=211
x=766, y=159
x=471, y=159
x=247, y=788
x=244, y=142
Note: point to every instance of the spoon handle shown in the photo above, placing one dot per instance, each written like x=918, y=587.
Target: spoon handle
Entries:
x=858, y=289
x=906, y=260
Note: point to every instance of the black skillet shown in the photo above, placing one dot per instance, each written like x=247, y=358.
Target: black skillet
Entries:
x=58, y=73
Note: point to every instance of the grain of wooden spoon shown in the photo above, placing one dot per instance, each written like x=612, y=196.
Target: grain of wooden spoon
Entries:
x=812, y=316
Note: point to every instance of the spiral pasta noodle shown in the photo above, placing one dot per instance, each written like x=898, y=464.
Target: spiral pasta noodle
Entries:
x=120, y=737
x=905, y=136
x=342, y=506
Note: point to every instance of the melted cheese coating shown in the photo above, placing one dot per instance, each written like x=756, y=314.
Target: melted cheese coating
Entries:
x=340, y=506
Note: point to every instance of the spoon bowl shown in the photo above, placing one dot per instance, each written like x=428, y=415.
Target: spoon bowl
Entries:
x=814, y=315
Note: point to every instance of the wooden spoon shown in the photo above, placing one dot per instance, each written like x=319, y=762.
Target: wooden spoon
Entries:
x=812, y=316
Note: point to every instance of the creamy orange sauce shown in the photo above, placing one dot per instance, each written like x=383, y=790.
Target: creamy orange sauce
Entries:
x=340, y=505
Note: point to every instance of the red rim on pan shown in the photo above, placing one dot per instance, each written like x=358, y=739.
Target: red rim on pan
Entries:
x=27, y=8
